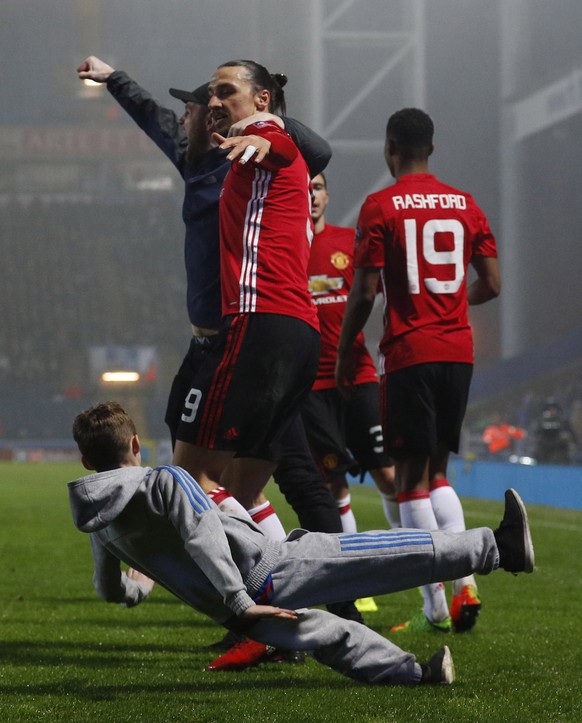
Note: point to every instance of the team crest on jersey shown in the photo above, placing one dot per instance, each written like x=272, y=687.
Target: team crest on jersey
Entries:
x=324, y=284
x=340, y=260
x=330, y=461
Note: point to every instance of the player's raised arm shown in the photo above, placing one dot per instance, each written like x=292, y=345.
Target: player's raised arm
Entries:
x=272, y=147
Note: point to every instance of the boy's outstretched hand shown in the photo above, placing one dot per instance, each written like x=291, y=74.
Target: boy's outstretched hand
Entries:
x=140, y=577
x=268, y=611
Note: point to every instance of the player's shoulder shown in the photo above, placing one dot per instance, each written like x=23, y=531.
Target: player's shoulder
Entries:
x=382, y=194
x=450, y=189
x=263, y=126
x=380, y=200
x=338, y=232
x=334, y=238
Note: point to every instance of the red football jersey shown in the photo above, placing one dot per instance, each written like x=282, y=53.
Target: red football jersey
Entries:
x=266, y=232
x=423, y=234
x=331, y=273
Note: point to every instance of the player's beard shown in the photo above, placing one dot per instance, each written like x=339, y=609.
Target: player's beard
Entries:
x=198, y=145
x=218, y=124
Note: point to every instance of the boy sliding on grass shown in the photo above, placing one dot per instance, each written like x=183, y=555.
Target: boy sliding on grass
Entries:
x=160, y=523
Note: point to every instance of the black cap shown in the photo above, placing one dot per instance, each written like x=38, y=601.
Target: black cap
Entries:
x=200, y=96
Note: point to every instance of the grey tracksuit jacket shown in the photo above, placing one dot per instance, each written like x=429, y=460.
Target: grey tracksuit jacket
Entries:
x=161, y=523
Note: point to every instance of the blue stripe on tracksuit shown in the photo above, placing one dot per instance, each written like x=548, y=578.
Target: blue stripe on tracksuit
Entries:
x=196, y=495
x=384, y=540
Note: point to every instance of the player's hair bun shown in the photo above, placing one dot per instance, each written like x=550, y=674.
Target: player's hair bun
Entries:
x=280, y=78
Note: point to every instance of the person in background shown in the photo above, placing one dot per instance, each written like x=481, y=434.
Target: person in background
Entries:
x=345, y=434
x=554, y=437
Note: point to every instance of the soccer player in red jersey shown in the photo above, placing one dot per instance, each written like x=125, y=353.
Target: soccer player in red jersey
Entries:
x=345, y=435
x=256, y=377
x=418, y=237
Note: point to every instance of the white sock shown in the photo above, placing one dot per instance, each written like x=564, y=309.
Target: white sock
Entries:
x=435, y=602
x=447, y=507
x=418, y=512
x=266, y=518
x=391, y=509
x=448, y=511
x=346, y=515
x=227, y=503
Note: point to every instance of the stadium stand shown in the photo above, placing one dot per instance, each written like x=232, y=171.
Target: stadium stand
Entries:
x=77, y=275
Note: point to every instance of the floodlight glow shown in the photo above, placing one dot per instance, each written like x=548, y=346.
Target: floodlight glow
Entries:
x=117, y=377
x=88, y=81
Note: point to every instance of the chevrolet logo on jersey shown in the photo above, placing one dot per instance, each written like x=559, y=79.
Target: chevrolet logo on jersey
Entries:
x=324, y=284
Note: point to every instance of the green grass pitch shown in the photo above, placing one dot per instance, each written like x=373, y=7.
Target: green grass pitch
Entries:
x=66, y=656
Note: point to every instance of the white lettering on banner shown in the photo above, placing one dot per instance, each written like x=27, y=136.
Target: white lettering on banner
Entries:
x=429, y=200
x=73, y=142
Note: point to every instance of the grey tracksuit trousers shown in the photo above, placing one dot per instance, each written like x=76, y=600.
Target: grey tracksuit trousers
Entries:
x=314, y=569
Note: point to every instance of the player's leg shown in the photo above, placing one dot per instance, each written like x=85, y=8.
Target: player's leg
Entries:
x=182, y=382
x=178, y=391
x=246, y=478
x=323, y=417
x=340, y=490
x=303, y=486
x=278, y=362
x=205, y=465
x=197, y=429
x=465, y=603
x=411, y=437
x=365, y=440
x=416, y=512
x=385, y=481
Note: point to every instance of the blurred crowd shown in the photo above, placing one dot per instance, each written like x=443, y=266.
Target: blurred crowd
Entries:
x=543, y=425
